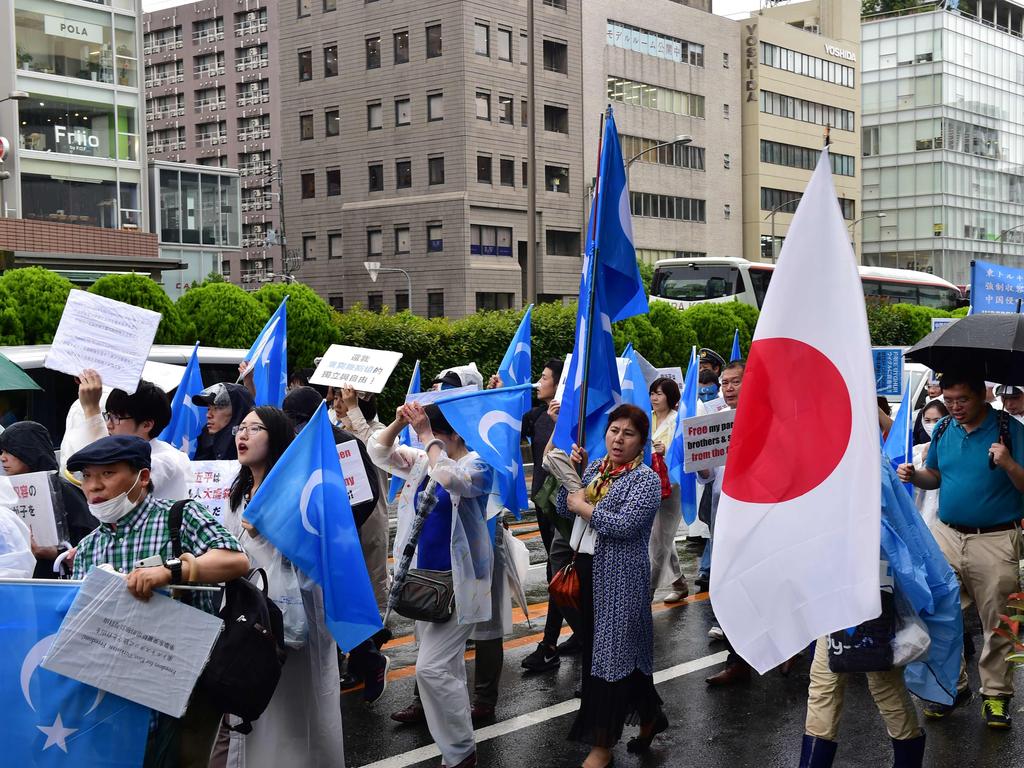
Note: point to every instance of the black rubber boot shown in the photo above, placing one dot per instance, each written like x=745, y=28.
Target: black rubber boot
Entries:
x=817, y=753
x=908, y=753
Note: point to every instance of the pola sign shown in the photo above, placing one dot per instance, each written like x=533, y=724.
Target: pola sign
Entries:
x=61, y=26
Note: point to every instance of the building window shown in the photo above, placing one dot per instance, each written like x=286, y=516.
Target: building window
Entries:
x=559, y=4
x=507, y=172
x=526, y=172
x=332, y=122
x=433, y=41
x=556, y=57
x=482, y=39
x=777, y=57
x=403, y=111
x=556, y=178
x=559, y=243
x=374, y=117
x=330, y=5
x=401, y=240
x=494, y=301
x=490, y=241
x=308, y=179
x=505, y=45
x=435, y=238
x=333, y=182
x=435, y=106
x=727, y=211
x=640, y=94
x=376, y=177
x=401, y=301
x=556, y=119
x=375, y=301
x=678, y=155
x=727, y=161
x=506, y=110
x=374, y=242
x=483, y=105
x=337, y=303
x=334, y=245
x=304, y=7
x=786, y=201
x=806, y=111
x=435, y=170
x=305, y=66
x=305, y=127
x=524, y=48
x=373, y=52
x=331, y=61
x=725, y=111
x=793, y=156
x=483, y=169
x=435, y=304
x=403, y=174
x=654, y=44
x=657, y=206
x=725, y=60
x=524, y=113
x=309, y=247
x=402, y=47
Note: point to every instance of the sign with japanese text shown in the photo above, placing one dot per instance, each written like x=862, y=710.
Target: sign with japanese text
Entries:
x=995, y=288
x=366, y=370
x=35, y=506
x=210, y=484
x=888, y=370
x=356, y=482
x=676, y=374
x=706, y=440
x=942, y=322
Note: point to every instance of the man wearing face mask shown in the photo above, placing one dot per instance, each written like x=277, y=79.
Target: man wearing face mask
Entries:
x=134, y=526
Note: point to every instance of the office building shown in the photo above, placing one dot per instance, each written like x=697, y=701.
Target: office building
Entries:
x=405, y=144
x=799, y=65
x=669, y=70
x=211, y=78
x=944, y=137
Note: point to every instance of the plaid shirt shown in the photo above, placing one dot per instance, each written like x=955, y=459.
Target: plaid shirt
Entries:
x=145, y=532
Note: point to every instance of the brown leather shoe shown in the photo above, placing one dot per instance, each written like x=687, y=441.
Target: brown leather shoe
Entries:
x=481, y=713
x=733, y=674
x=411, y=715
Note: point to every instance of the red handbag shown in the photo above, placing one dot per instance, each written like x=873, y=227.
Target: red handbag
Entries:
x=564, y=587
x=658, y=465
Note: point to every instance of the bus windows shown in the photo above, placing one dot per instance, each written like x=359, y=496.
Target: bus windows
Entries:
x=937, y=297
x=898, y=293
x=686, y=283
x=759, y=279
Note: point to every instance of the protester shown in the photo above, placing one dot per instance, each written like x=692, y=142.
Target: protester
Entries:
x=708, y=386
x=884, y=416
x=226, y=405
x=1012, y=399
x=665, y=568
x=134, y=526
x=303, y=719
x=933, y=392
x=299, y=378
x=619, y=502
x=26, y=447
x=17, y=560
x=927, y=502
x=709, y=360
x=978, y=528
x=458, y=376
x=454, y=538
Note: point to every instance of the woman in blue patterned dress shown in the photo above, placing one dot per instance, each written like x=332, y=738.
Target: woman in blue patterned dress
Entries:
x=615, y=511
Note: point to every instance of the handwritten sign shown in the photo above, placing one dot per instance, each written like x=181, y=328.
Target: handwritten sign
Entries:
x=147, y=651
x=35, y=506
x=366, y=370
x=706, y=440
x=109, y=336
x=888, y=370
x=356, y=482
x=676, y=374
x=210, y=484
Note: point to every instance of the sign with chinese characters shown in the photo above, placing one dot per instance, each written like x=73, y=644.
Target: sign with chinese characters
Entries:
x=35, y=506
x=995, y=288
x=356, y=482
x=366, y=370
x=675, y=373
x=888, y=370
x=210, y=484
x=942, y=322
x=706, y=440
x=640, y=40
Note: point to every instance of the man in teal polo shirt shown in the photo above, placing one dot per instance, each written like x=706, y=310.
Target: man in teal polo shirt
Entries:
x=980, y=510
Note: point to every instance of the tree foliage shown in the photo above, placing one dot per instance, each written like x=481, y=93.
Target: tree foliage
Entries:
x=40, y=296
x=311, y=326
x=142, y=291
x=12, y=332
x=224, y=314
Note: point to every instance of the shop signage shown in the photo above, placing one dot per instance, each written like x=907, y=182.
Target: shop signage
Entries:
x=59, y=26
x=75, y=141
x=750, y=61
x=840, y=53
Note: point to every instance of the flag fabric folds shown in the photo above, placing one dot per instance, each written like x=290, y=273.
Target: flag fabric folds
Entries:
x=635, y=391
x=302, y=508
x=405, y=438
x=674, y=455
x=899, y=444
x=736, y=354
x=51, y=720
x=610, y=290
x=798, y=523
x=268, y=359
x=515, y=367
x=491, y=422
x=187, y=418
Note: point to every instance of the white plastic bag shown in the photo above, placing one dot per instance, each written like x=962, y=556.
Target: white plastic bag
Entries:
x=911, y=641
x=283, y=589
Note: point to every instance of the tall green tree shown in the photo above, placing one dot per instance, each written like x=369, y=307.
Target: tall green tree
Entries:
x=39, y=295
x=311, y=328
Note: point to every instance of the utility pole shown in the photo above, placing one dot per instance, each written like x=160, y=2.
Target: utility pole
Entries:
x=531, y=161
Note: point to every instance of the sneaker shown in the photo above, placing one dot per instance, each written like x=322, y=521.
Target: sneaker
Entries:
x=996, y=711
x=702, y=582
x=376, y=679
x=934, y=711
x=542, y=659
x=350, y=681
x=570, y=647
x=716, y=633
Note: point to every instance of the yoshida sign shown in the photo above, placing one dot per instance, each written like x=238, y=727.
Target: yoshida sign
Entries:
x=750, y=61
x=60, y=26
x=840, y=53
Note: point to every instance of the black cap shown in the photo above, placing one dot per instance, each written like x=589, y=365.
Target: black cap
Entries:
x=450, y=379
x=301, y=403
x=706, y=355
x=111, y=450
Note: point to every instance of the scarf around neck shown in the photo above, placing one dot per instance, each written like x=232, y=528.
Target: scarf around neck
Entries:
x=607, y=473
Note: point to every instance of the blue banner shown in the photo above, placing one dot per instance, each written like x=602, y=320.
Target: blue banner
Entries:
x=995, y=288
x=888, y=370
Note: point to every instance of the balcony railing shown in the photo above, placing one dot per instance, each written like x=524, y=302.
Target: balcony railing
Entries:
x=259, y=97
x=159, y=113
x=157, y=46
x=253, y=134
x=211, y=139
x=252, y=63
x=250, y=28
x=210, y=104
x=158, y=80
x=253, y=169
x=208, y=35
x=208, y=71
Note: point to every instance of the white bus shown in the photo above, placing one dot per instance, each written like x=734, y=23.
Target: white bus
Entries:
x=685, y=282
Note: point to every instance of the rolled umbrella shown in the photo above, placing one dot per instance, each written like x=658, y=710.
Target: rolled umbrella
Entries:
x=989, y=347
x=424, y=506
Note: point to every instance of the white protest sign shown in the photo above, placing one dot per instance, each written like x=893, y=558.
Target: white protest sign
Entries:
x=621, y=363
x=366, y=370
x=706, y=440
x=356, y=482
x=108, y=336
x=210, y=484
x=676, y=374
x=35, y=506
x=147, y=651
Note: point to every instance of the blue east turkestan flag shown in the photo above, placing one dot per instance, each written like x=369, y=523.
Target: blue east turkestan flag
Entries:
x=405, y=438
x=610, y=290
x=51, y=720
x=268, y=359
x=675, y=455
x=899, y=444
x=302, y=508
x=736, y=353
x=187, y=418
x=635, y=391
x=491, y=422
x=516, y=366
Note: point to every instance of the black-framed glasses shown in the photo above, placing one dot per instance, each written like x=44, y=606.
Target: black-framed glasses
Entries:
x=113, y=418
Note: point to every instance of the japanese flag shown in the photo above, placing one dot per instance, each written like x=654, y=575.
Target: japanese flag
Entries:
x=798, y=526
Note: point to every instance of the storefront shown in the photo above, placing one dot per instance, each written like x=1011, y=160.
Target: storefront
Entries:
x=91, y=124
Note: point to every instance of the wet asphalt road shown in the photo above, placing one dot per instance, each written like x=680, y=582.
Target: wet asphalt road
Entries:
x=757, y=725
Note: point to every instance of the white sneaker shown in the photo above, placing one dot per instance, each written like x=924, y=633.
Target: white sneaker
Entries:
x=716, y=633
x=676, y=596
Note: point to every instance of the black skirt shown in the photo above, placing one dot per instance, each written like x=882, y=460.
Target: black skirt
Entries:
x=605, y=708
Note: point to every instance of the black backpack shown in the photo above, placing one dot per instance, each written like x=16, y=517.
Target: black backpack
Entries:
x=1003, y=419
x=245, y=663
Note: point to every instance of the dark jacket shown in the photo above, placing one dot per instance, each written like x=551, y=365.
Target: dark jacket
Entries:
x=221, y=445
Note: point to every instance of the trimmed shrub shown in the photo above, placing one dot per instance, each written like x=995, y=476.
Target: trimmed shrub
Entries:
x=142, y=291
x=311, y=326
x=39, y=296
x=12, y=332
x=224, y=314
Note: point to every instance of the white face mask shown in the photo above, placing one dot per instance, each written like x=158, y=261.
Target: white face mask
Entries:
x=112, y=510
x=928, y=428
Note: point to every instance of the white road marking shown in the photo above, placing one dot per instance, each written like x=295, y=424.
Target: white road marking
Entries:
x=539, y=716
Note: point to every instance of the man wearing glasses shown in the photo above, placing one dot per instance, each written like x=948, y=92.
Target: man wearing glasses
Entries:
x=976, y=458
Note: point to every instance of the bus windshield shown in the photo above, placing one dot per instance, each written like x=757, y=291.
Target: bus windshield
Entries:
x=686, y=283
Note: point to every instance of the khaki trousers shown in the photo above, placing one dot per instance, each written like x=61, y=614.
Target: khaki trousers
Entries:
x=825, y=699
x=987, y=566
x=373, y=537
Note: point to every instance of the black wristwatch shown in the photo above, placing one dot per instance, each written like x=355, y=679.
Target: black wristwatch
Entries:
x=174, y=565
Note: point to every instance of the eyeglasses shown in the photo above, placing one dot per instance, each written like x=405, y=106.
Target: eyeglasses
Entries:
x=113, y=418
x=248, y=429
x=961, y=401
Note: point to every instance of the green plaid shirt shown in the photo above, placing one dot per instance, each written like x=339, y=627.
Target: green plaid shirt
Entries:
x=145, y=532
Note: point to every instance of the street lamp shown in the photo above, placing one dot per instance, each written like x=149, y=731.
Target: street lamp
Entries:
x=1002, y=238
x=880, y=215
x=771, y=215
x=15, y=96
x=681, y=140
x=374, y=268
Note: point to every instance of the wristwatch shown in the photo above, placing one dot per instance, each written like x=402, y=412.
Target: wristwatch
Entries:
x=174, y=565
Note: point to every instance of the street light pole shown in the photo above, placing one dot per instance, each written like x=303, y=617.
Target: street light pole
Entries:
x=681, y=140
x=853, y=236
x=1002, y=241
x=771, y=215
x=374, y=268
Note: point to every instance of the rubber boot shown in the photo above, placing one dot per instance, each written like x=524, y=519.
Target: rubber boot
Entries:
x=908, y=753
x=817, y=753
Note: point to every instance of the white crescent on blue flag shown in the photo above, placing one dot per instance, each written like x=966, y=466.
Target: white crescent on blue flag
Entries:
x=899, y=444
x=302, y=508
x=516, y=366
x=405, y=437
x=187, y=418
x=268, y=359
x=51, y=720
x=635, y=391
x=491, y=422
x=675, y=454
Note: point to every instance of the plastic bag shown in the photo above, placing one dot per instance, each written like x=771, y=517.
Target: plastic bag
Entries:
x=283, y=589
x=911, y=641
x=16, y=558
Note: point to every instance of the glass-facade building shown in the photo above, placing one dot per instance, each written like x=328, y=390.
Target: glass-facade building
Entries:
x=943, y=138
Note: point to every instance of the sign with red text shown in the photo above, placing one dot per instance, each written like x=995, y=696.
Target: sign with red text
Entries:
x=35, y=506
x=706, y=440
x=210, y=484
x=356, y=482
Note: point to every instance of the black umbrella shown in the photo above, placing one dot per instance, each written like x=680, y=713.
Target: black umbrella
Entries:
x=989, y=347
